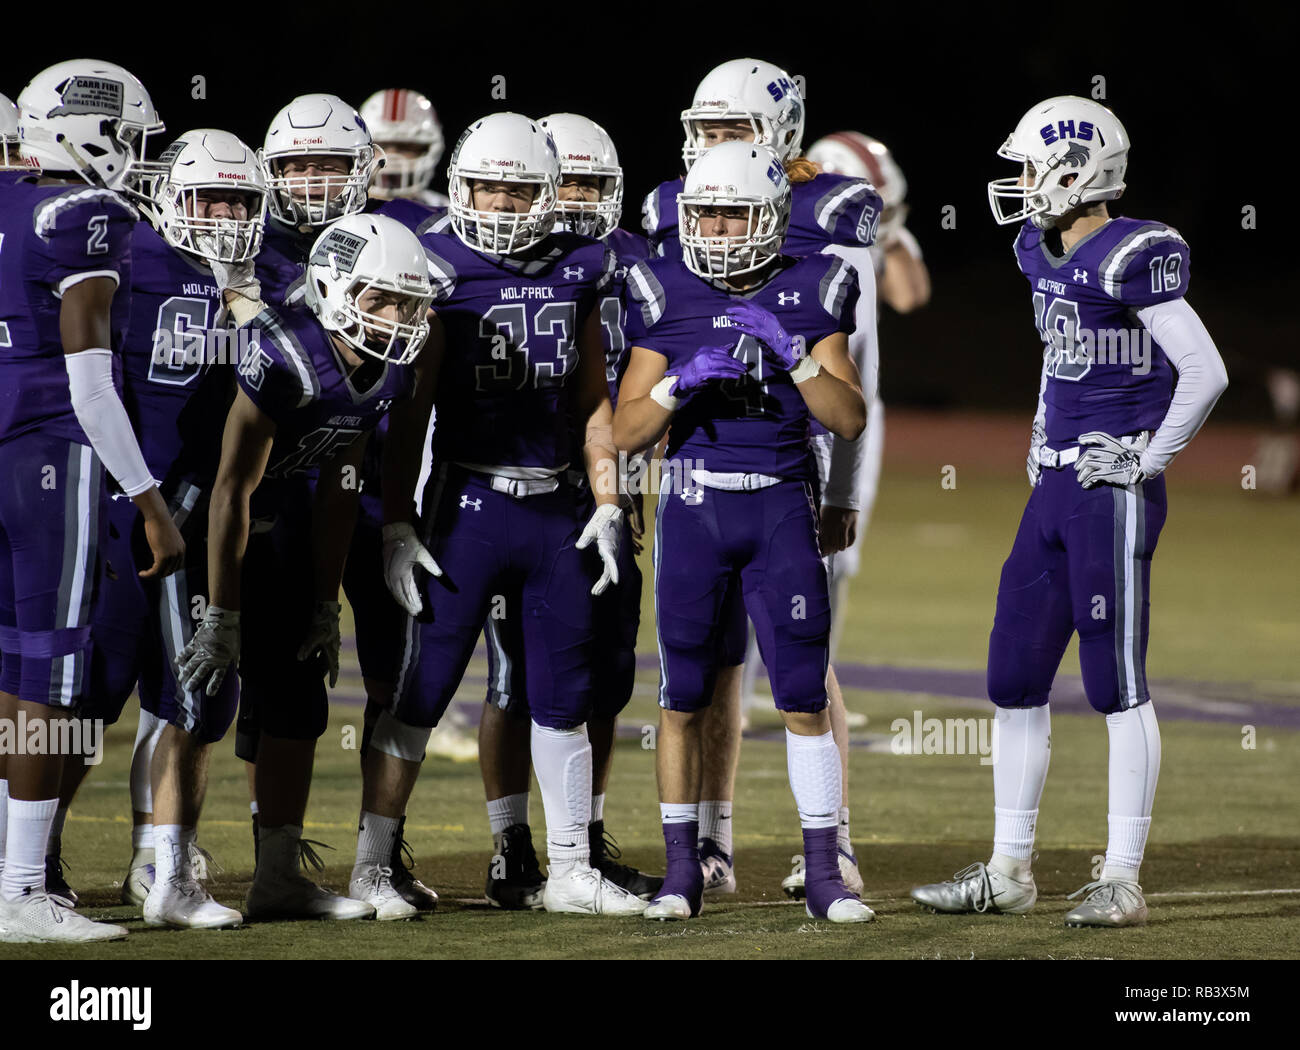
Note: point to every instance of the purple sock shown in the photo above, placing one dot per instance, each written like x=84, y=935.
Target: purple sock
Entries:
x=822, y=883
x=684, y=876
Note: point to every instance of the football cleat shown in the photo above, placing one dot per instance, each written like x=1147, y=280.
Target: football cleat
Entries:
x=183, y=902
x=201, y=863
x=719, y=871
x=374, y=885
x=604, y=858
x=978, y=888
x=139, y=877
x=402, y=863
x=1109, y=902
x=845, y=909
x=38, y=918
x=793, y=884
x=671, y=907
x=286, y=893
x=515, y=881
x=583, y=891
x=55, y=884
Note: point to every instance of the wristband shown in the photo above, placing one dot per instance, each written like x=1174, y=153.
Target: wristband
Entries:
x=805, y=369
x=661, y=394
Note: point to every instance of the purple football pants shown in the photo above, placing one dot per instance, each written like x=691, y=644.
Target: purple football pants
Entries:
x=710, y=542
x=516, y=556
x=1081, y=562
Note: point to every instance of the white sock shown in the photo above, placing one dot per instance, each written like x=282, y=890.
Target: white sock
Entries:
x=562, y=760
x=376, y=837
x=26, y=836
x=1022, y=750
x=142, y=836
x=507, y=811
x=678, y=812
x=1134, y=769
x=54, y=847
x=4, y=820
x=147, y=733
x=597, y=807
x=171, y=857
x=813, y=763
x=715, y=823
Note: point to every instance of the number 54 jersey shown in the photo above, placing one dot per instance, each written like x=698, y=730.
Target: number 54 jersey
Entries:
x=505, y=388
x=1103, y=370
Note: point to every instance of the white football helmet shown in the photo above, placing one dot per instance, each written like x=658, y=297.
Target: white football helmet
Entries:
x=398, y=116
x=503, y=147
x=87, y=118
x=359, y=253
x=747, y=89
x=10, y=154
x=732, y=175
x=312, y=125
x=210, y=160
x=852, y=153
x=1065, y=135
x=585, y=148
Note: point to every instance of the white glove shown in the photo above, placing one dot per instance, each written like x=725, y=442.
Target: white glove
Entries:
x=403, y=551
x=606, y=528
x=323, y=637
x=238, y=278
x=1037, y=439
x=211, y=652
x=1108, y=462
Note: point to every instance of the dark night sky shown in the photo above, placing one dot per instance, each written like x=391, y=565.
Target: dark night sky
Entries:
x=1208, y=112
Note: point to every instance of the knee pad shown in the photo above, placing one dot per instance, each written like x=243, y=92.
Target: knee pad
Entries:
x=396, y=738
x=1019, y=675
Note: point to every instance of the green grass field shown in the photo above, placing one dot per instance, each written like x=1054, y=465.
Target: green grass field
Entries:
x=1223, y=865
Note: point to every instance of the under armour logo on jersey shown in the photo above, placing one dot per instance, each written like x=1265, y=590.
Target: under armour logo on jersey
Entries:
x=1080, y=276
x=465, y=501
x=787, y=299
x=572, y=273
x=693, y=497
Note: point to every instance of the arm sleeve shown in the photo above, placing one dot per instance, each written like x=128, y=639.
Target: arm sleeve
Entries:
x=1201, y=379
x=844, y=479
x=103, y=417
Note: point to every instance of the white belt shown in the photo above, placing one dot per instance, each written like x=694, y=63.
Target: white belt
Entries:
x=1058, y=458
x=522, y=487
x=734, y=482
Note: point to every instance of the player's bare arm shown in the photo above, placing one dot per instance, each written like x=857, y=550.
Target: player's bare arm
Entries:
x=407, y=422
x=834, y=394
x=599, y=450
x=245, y=449
x=84, y=325
x=640, y=420
x=334, y=517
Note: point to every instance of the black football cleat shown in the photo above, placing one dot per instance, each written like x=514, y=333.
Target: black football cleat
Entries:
x=515, y=881
x=56, y=885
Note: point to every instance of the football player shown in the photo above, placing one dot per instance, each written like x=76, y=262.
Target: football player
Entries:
x=748, y=100
x=505, y=523
x=1110, y=419
x=405, y=127
x=209, y=207
x=64, y=302
x=313, y=385
x=741, y=518
x=590, y=203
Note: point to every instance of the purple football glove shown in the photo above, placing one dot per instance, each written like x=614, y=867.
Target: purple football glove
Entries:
x=709, y=362
x=762, y=324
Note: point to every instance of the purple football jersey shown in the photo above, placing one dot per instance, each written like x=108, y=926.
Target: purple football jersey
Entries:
x=828, y=209
x=759, y=423
x=168, y=348
x=51, y=237
x=505, y=389
x=629, y=249
x=281, y=262
x=1104, y=371
x=293, y=373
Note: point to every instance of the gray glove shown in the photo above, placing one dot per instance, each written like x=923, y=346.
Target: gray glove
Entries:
x=211, y=652
x=323, y=637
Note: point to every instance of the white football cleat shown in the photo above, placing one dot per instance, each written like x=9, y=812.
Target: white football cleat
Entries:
x=846, y=909
x=139, y=877
x=1109, y=902
x=793, y=884
x=40, y=919
x=281, y=895
x=978, y=888
x=719, y=874
x=670, y=908
x=582, y=890
x=374, y=885
x=184, y=903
